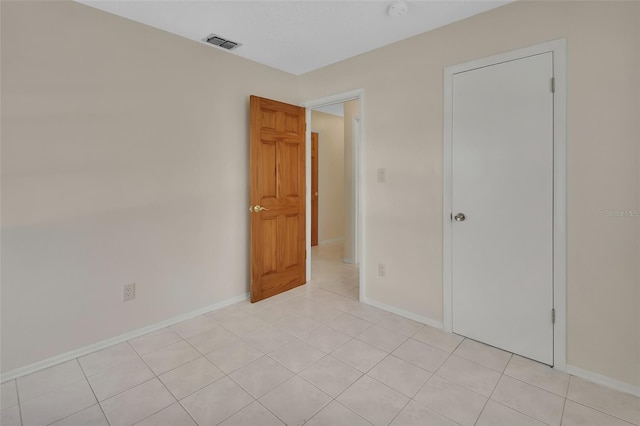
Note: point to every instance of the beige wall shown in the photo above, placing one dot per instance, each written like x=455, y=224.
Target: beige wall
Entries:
x=403, y=86
x=124, y=159
x=330, y=175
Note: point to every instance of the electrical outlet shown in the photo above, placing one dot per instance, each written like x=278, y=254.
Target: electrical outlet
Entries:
x=382, y=175
x=381, y=270
x=128, y=292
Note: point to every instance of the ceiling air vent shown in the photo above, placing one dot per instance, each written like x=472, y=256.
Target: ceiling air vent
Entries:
x=216, y=40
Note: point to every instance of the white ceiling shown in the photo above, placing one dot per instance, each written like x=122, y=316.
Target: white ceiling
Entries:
x=333, y=109
x=295, y=36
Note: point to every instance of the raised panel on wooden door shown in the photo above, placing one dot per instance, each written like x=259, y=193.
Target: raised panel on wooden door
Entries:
x=268, y=171
x=290, y=241
x=269, y=244
x=291, y=123
x=289, y=177
x=269, y=119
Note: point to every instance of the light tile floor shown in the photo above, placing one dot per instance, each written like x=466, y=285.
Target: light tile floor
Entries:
x=314, y=356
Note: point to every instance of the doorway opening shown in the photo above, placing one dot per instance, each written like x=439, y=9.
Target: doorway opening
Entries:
x=334, y=217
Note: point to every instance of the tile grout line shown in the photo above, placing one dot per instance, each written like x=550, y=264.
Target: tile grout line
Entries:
x=19, y=404
x=174, y=397
x=54, y=390
x=155, y=376
x=564, y=406
x=274, y=414
x=282, y=384
x=493, y=390
x=178, y=401
x=402, y=409
x=225, y=375
x=92, y=391
x=354, y=382
x=187, y=411
x=600, y=411
x=303, y=379
x=334, y=399
x=434, y=374
x=383, y=384
x=515, y=409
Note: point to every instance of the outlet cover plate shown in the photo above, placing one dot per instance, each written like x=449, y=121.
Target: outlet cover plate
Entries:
x=128, y=292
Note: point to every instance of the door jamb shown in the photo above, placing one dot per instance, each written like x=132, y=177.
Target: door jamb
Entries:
x=355, y=155
x=559, y=51
x=359, y=163
x=317, y=172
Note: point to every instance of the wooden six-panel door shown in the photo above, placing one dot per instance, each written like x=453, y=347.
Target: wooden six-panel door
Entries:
x=277, y=197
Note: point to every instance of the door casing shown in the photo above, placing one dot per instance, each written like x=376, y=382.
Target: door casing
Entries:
x=356, y=148
x=558, y=49
x=314, y=189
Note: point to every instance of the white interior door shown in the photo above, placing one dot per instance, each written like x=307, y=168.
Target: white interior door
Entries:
x=502, y=181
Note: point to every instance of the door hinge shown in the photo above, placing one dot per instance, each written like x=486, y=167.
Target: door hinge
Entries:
x=305, y=254
x=553, y=85
x=553, y=316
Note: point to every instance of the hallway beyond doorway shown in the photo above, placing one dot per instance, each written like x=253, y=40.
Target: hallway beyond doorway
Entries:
x=330, y=273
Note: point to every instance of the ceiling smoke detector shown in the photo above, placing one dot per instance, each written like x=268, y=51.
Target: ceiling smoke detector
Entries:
x=218, y=41
x=398, y=8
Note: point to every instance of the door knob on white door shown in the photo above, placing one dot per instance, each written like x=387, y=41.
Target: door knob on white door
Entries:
x=459, y=217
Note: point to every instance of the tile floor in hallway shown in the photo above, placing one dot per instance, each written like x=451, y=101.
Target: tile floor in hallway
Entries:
x=313, y=356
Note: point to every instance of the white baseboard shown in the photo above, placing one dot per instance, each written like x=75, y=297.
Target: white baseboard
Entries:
x=402, y=313
x=50, y=362
x=331, y=241
x=604, y=380
x=575, y=371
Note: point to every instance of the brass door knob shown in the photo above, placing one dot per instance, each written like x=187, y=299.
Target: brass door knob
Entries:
x=258, y=208
x=459, y=217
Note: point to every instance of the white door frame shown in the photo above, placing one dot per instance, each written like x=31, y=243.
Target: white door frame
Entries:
x=559, y=50
x=358, y=168
x=355, y=155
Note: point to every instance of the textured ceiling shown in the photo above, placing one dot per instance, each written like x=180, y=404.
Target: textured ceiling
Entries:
x=295, y=36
